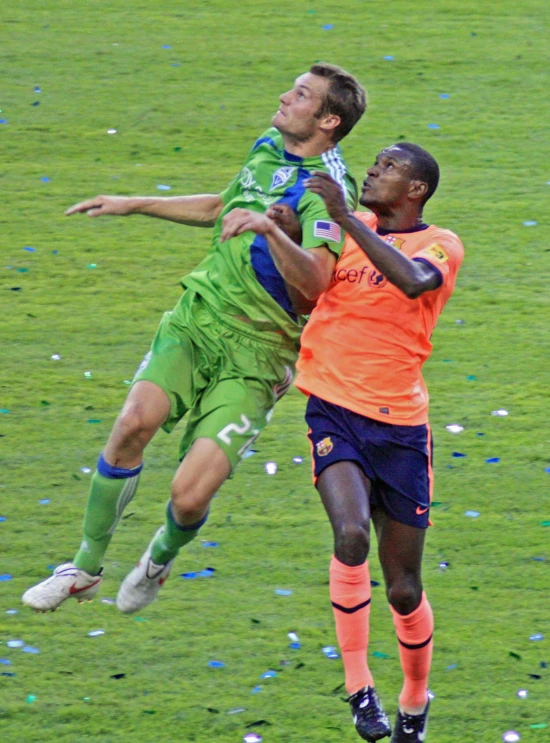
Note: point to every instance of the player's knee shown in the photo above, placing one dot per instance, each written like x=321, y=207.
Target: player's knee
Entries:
x=405, y=595
x=351, y=542
x=132, y=426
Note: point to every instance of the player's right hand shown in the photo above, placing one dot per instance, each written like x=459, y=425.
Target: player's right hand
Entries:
x=285, y=218
x=118, y=205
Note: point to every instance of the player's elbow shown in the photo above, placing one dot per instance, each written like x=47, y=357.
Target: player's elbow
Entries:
x=413, y=291
x=315, y=287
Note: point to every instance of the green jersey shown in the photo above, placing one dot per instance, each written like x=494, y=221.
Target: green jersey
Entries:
x=239, y=277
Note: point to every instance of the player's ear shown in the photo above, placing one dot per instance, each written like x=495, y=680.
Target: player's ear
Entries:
x=418, y=189
x=330, y=122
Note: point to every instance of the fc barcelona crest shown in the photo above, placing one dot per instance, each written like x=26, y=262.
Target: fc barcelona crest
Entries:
x=324, y=447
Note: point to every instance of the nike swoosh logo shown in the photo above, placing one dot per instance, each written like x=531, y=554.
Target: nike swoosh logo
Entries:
x=420, y=511
x=73, y=589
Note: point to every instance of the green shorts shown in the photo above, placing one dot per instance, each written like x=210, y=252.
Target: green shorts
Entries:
x=225, y=374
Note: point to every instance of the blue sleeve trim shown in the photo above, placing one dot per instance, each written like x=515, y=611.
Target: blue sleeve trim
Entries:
x=190, y=527
x=435, y=268
x=116, y=473
x=260, y=141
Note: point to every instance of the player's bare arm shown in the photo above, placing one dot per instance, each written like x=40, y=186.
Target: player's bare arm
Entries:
x=307, y=270
x=285, y=218
x=413, y=278
x=200, y=210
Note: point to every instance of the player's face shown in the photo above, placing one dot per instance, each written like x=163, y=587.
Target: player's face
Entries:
x=296, y=116
x=388, y=181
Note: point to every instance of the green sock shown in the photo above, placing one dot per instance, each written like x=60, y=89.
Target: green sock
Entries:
x=167, y=545
x=107, y=499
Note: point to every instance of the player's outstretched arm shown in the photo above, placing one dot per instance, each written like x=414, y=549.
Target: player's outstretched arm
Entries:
x=200, y=210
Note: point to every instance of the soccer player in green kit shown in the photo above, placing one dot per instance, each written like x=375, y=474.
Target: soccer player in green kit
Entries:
x=227, y=351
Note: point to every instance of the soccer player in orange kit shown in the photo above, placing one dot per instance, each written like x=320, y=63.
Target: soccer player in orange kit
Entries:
x=360, y=364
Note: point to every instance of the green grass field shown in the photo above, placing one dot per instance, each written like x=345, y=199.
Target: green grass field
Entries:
x=93, y=292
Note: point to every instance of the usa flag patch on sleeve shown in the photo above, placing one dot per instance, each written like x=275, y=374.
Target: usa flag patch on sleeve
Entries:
x=327, y=231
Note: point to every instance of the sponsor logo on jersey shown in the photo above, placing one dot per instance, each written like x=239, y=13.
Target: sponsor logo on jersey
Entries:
x=327, y=231
x=376, y=279
x=252, y=191
x=281, y=176
x=396, y=242
x=438, y=253
x=247, y=179
x=324, y=447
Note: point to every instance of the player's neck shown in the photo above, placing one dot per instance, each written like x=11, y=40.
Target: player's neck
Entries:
x=398, y=221
x=310, y=148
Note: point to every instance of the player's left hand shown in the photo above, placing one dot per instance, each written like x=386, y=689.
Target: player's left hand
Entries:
x=331, y=193
x=238, y=221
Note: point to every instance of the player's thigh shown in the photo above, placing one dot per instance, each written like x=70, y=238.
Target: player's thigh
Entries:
x=232, y=413
x=402, y=463
x=176, y=365
x=400, y=548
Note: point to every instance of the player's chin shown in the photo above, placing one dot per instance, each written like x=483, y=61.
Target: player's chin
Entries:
x=277, y=120
x=367, y=199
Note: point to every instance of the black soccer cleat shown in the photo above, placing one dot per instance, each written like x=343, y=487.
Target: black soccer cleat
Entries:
x=371, y=722
x=410, y=728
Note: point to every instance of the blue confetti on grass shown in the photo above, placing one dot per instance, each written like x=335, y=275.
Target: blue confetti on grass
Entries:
x=283, y=592
x=493, y=460
x=458, y=454
x=166, y=46
x=256, y=690
x=29, y=249
x=472, y=514
x=2, y=518
x=268, y=674
x=163, y=187
x=328, y=26
x=209, y=544
x=5, y=662
x=389, y=57
x=206, y=573
x=530, y=223
x=434, y=126
x=37, y=89
x=5, y=576
x=216, y=664
x=30, y=649
x=36, y=103
x=45, y=179
x=44, y=501
x=444, y=96
x=3, y=121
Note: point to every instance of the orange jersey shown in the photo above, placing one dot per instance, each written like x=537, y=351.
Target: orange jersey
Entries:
x=365, y=343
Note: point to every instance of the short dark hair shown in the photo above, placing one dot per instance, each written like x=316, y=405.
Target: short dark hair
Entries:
x=345, y=97
x=424, y=167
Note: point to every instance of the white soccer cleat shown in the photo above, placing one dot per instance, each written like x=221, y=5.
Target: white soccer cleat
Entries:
x=67, y=582
x=142, y=584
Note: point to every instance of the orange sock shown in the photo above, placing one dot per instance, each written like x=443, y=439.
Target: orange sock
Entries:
x=415, y=636
x=350, y=594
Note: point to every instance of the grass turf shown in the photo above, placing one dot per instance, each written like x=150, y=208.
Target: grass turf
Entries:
x=93, y=292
